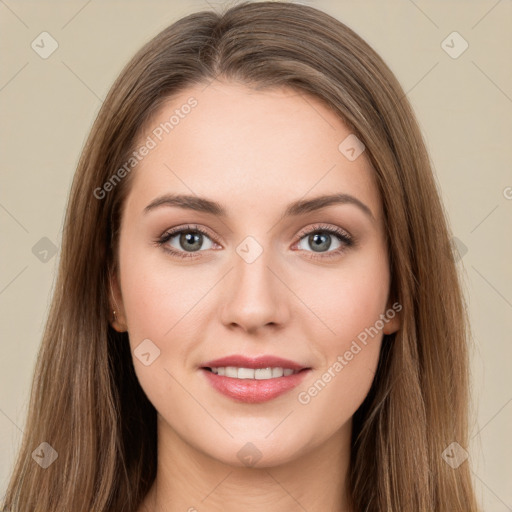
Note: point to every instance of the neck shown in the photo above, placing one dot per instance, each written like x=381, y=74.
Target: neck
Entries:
x=190, y=480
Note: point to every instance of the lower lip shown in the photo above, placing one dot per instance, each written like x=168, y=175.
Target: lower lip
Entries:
x=254, y=390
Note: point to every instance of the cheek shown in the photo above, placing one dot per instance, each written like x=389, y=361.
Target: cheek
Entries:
x=159, y=302
x=350, y=302
x=339, y=388
x=349, y=299
x=164, y=303
x=349, y=362
x=158, y=294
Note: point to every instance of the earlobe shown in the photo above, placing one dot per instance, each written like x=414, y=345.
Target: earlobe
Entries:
x=393, y=317
x=116, y=324
x=117, y=316
x=392, y=325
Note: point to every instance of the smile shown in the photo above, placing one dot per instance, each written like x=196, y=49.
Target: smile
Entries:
x=253, y=373
x=249, y=385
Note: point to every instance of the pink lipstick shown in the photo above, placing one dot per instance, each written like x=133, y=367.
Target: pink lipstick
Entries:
x=253, y=380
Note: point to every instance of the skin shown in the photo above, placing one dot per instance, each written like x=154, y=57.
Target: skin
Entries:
x=254, y=152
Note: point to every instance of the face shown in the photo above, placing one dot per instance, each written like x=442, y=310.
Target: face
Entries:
x=246, y=275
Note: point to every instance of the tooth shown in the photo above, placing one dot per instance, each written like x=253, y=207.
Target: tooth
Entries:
x=246, y=373
x=277, y=372
x=250, y=373
x=231, y=371
x=263, y=373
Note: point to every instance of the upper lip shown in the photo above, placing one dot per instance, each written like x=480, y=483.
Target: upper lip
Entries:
x=264, y=361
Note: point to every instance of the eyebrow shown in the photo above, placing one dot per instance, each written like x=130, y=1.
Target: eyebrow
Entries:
x=296, y=208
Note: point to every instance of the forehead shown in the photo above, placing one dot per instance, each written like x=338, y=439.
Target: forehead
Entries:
x=248, y=148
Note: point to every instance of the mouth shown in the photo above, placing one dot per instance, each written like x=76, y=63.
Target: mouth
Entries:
x=253, y=373
x=253, y=379
x=253, y=385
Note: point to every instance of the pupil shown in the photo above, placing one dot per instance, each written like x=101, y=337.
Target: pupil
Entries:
x=320, y=240
x=188, y=239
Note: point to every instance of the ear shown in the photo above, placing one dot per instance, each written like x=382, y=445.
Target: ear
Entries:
x=394, y=317
x=117, y=319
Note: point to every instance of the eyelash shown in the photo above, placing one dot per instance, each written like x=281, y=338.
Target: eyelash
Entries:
x=345, y=239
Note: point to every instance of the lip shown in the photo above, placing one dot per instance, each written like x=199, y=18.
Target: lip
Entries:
x=254, y=390
x=263, y=361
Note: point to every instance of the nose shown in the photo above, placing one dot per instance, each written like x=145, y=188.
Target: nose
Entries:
x=254, y=297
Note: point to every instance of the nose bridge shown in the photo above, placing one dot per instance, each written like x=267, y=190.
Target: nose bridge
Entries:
x=255, y=296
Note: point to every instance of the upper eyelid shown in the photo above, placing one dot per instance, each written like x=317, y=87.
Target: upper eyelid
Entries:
x=320, y=227
x=301, y=233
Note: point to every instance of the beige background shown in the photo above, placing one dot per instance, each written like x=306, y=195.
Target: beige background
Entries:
x=464, y=106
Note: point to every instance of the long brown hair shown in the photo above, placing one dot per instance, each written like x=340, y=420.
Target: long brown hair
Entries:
x=86, y=401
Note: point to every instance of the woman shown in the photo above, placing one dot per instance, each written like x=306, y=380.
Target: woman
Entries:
x=257, y=304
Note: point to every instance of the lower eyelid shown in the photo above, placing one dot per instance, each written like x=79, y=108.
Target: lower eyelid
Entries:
x=166, y=238
x=344, y=243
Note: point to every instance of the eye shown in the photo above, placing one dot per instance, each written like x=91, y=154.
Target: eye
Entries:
x=185, y=241
x=320, y=239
